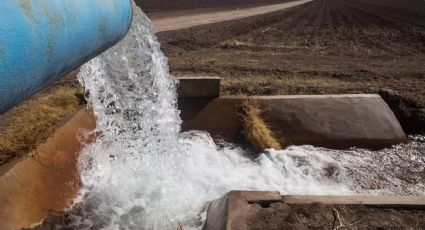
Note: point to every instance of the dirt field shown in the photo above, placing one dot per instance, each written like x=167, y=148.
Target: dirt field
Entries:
x=322, y=47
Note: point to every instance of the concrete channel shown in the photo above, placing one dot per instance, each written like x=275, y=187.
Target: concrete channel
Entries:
x=47, y=181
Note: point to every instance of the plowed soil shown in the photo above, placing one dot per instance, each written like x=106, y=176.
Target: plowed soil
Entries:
x=321, y=47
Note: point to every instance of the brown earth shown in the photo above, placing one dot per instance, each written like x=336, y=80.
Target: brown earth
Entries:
x=321, y=47
x=325, y=216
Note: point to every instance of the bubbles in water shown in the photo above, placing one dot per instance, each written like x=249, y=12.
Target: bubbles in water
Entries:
x=141, y=173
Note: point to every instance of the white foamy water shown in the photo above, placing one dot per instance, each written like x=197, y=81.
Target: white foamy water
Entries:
x=142, y=173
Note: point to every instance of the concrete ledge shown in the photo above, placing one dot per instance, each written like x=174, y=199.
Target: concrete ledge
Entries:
x=239, y=209
x=198, y=87
x=230, y=211
x=48, y=181
x=332, y=121
x=404, y=201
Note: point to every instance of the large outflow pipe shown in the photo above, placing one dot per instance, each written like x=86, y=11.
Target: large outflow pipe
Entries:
x=42, y=40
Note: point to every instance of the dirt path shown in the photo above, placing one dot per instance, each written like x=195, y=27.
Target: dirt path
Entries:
x=180, y=22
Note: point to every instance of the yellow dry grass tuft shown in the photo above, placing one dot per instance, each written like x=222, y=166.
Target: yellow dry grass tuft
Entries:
x=255, y=129
x=33, y=122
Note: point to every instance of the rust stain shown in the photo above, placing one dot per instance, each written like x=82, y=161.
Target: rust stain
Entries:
x=56, y=22
x=102, y=29
x=26, y=7
x=55, y=19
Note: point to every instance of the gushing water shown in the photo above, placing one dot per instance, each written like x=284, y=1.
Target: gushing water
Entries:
x=142, y=173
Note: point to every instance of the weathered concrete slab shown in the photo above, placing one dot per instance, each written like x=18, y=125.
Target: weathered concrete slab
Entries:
x=48, y=180
x=195, y=87
x=239, y=210
x=332, y=121
x=230, y=211
x=393, y=201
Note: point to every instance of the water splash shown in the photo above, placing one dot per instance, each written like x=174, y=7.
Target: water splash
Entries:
x=141, y=173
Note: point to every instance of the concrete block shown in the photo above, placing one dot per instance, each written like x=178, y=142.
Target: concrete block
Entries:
x=238, y=209
x=198, y=87
x=332, y=121
x=229, y=212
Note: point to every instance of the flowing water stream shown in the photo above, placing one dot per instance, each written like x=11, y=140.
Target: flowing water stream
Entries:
x=143, y=173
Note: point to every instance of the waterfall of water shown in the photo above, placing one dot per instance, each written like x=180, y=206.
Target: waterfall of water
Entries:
x=142, y=173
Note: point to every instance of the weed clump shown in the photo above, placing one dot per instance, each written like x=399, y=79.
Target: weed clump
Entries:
x=33, y=122
x=255, y=129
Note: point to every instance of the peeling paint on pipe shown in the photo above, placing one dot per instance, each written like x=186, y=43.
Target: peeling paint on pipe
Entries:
x=42, y=40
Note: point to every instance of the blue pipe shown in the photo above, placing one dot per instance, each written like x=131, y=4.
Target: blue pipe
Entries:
x=42, y=40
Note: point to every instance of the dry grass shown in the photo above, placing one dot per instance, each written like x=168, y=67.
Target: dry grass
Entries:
x=255, y=129
x=234, y=43
x=33, y=122
x=283, y=85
